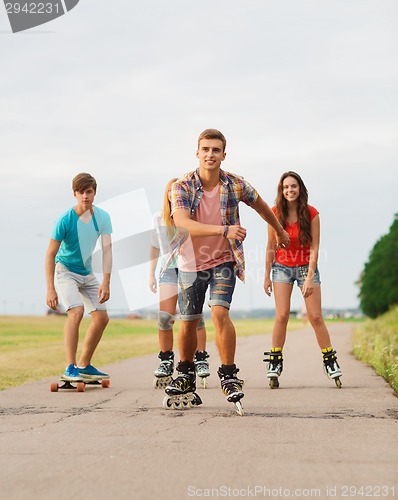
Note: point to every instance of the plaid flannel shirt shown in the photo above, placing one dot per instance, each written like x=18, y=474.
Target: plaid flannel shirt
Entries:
x=186, y=194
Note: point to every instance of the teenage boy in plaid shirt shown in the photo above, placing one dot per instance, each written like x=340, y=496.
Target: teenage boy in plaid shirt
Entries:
x=204, y=203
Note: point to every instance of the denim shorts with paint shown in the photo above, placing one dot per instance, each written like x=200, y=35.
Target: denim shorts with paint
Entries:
x=193, y=286
x=287, y=274
x=169, y=277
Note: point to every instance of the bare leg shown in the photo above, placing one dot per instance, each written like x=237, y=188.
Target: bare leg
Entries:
x=201, y=335
x=282, y=294
x=71, y=333
x=225, y=334
x=167, y=303
x=187, y=340
x=314, y=310
x=99, y=320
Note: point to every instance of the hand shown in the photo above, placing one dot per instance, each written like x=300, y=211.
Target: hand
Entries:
x=307, y=288
x=52, y=300
x=268, y=286
x=283, y=240
x=236, y=233
x=104, y=293
x=153, y=286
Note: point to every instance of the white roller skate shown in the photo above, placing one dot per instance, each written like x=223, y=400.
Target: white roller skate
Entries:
x=202, y=366
x=275, y=367
x=163, y=374
x=231, y=386
x=332, y=368
x=180, y=394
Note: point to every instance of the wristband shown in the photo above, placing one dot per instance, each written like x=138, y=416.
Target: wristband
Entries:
x=225, y=231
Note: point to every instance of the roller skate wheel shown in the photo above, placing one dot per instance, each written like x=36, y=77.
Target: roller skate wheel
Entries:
x=239, y=408
x=105, y=383
x=273, y=383
x=167, y=403
x=54, y=387
x=204, y=383
x=338, y=383
x=81, y=387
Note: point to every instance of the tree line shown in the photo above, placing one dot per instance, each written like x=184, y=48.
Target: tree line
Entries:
x=378, y=282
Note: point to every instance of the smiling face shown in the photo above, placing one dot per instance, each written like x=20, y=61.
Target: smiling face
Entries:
x=210, y=154
x=290, y=189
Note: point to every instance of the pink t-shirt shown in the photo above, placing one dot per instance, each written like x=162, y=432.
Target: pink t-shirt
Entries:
x=208, y=251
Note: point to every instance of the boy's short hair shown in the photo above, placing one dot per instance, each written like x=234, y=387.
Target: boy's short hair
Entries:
x=83, y=181
x=212, y=133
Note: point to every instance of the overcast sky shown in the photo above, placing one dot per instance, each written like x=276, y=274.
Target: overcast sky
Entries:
x=122, y=89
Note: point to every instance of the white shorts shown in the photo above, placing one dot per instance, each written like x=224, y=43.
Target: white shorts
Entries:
x=75, y=290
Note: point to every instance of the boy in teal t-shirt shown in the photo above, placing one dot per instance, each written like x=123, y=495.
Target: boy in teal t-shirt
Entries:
x=68, y=264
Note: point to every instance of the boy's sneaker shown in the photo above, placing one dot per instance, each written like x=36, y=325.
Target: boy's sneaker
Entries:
x=71, y=374
x=91, y=373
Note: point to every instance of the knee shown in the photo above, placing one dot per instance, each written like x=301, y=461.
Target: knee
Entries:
x=219, y=314
x=316, y=320
x=165, y=321
x=201, y=323
x=282, y=317
x=76, y=314
x=101, y=318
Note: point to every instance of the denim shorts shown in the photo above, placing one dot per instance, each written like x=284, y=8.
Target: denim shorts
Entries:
x=193, y=286
x=75, y=290
x=169, y=277
x=287, y=274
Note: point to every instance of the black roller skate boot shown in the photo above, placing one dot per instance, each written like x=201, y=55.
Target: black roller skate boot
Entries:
x=181, y=391
x=164, y=372
x=274, y=358
x=331, y=367
x=231, y=386
x=202, y=366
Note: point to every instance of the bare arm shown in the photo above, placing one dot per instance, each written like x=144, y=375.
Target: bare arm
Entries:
x=104, y=289
x=308, y=286
x=269, y=259
x=197, y=229
x=153, y=262
x=52, y=297
x=262, y=208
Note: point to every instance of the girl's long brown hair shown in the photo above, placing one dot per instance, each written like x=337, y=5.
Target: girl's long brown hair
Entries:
x=169, y=223
x=303, y=212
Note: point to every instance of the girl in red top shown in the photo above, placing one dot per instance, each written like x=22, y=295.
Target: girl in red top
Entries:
x=298, y=263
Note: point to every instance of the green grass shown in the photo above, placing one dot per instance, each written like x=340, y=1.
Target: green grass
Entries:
x=376, y=343
x=31, y=348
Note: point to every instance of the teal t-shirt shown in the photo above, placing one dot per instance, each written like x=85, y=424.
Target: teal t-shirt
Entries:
x=78, y=238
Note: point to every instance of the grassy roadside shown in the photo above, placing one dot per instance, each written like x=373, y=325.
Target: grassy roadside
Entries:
x=376, y=343
x=31, y=347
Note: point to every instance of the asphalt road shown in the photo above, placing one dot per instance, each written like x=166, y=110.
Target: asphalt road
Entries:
x=306, y=439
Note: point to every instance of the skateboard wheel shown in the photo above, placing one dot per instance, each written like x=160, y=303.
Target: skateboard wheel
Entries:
x=54, y=387
x=81, y=387
x=105, y=383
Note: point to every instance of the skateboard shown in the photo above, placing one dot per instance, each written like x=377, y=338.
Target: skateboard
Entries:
x=78, y=386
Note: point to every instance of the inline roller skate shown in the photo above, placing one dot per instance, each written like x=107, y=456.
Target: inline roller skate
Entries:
x=331, y=367
x=180, y=393
x=231, y=386
x=164, y=372
x=202, y=366
x=275, y=367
